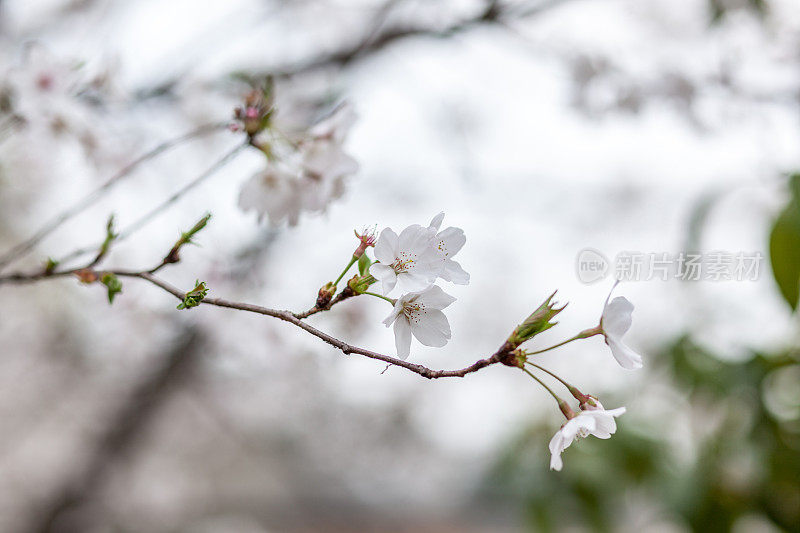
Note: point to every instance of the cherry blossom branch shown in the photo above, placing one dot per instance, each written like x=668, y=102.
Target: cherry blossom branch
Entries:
x=287, y=316
x=90, y=199
x=502, y=355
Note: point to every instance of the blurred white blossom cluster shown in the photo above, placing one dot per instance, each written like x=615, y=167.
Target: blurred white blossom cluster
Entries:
x=44, y=97
x=305, y=170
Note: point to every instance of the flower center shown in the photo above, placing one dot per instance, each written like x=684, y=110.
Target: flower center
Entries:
x=442, y=247
x=413, y=311
x=405, y=262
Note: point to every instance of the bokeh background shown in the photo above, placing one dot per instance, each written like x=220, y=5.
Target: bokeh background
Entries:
x=540, y=128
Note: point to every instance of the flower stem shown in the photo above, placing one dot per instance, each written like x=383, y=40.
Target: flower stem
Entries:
x=578, y=395
x=351, y=263
x=382, y=297
x=542, y=383
x=585, y=334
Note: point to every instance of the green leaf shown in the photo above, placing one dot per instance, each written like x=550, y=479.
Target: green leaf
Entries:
x=110, y=236
x=364, y=263
x=194, y=296
x=50, y=265
x=113, y=284
x=784, y=252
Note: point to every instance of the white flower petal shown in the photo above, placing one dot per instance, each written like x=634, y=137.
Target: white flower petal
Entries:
x=626, y=357
x=272, y=193
x=386, y=247
x=402, y=338
x=557, y=445
x=556, y=463
x=454, y=273
x=413, y=282
x=413, y=239
x=606, y=425
x=396, y=312
x=617, y=317
x=450, y=240
x=431, y=328
x=386, y=275
x=436, y=222
x=382, y=272
x=435, y=298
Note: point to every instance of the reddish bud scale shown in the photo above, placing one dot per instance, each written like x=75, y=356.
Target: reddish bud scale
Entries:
x=86, y=275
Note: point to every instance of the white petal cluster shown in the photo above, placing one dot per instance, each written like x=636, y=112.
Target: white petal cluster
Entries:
x=305, y=174
x=411, y=262
x=420, y=314
x=50, y=112
x=42, y=87
x=446, y=244
x=592, y=420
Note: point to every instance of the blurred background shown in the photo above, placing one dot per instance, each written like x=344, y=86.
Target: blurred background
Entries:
x=539, y=127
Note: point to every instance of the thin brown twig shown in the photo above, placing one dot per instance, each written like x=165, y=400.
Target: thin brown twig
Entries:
x=50, y=226
x=343, y=295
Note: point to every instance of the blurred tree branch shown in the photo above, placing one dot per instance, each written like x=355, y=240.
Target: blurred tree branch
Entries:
x=130, y=421
x=90, y=199
x=494, y=13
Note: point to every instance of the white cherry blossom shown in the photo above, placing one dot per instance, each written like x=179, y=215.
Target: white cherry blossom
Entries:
x=322, y=155
x=336, y=125
x=420, y=314
x=305, y=172
x=446, y=244
x=592, y=420
x=273, y=193
x=407, y=261
x=614, y=323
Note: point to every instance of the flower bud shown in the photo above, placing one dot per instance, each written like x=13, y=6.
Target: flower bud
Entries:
x=256, y=113
x=194, y=296
x=186, y=238
x=360, y=284
x=325, y=295
x=536, y=323
x=516, y=358
x=86, y=275
x=50, y=266
x=368, y=237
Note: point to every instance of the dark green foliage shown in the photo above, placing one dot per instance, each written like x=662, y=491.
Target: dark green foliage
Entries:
x=784, y=246
x=720, y=8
